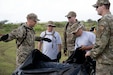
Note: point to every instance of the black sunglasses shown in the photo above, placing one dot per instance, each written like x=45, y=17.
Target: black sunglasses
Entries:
x=69, y=17
x=50, y=26
x=97, y=7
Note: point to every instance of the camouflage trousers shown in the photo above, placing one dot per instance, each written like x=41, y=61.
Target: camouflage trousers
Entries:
x=103, y=69
x=70, y=51
x=21, y=58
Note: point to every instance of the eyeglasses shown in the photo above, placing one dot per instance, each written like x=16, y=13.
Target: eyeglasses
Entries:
x=69, y=17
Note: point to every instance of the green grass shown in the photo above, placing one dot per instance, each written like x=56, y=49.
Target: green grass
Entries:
x=8, y=55
x=7, y=58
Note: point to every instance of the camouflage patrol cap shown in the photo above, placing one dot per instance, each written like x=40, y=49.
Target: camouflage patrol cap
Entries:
x=76, y=28
x=33, y=17
x=71, y=14
x=51, y=23
x=101, y=2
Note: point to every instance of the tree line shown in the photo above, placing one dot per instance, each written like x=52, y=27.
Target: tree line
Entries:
x=6, y=27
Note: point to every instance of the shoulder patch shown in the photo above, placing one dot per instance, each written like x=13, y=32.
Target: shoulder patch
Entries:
x=101, y=29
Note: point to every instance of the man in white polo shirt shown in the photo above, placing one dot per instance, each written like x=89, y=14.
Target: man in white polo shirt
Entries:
x=51, y=49
x=85, y=39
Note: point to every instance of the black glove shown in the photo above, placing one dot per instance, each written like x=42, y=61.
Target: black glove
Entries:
x=4, y=37
x=58, y=56
x=46, y=39
x=42, y=39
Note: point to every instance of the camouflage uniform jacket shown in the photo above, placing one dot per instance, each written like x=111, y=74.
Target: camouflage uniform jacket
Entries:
x=103, y=49
x=69, y=38
x=28, y=44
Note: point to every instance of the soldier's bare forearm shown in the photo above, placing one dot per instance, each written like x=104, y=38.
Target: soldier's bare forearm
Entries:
x=60, y=47
x=39, y=45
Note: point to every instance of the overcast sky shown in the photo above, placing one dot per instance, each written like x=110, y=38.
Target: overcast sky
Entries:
x=17, y=10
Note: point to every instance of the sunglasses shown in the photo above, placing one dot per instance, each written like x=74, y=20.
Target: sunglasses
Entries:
x=50, y=26
x=69, y=17
x=97, y=7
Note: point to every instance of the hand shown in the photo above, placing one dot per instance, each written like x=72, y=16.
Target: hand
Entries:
x=83, y=47
x=65, y=51
x=47, y=39
x=58, y=56
x=4, y=37
x=88, y=53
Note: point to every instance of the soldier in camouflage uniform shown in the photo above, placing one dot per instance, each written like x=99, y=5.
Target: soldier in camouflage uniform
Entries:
x=25, y=38
x=103, y=49
x=69, y=38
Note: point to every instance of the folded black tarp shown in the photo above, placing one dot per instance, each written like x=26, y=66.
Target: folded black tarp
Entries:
x=39, y=64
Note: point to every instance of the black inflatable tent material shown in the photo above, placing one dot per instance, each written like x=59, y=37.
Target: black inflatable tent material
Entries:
x=39, y=64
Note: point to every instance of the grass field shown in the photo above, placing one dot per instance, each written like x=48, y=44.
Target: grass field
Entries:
x=8, y=55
